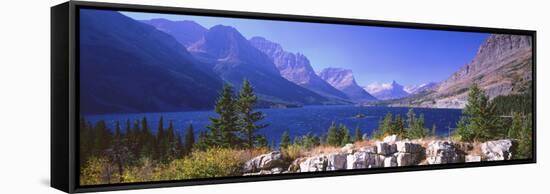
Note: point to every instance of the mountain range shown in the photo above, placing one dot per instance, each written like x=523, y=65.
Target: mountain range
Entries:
x=387, y=91
x=295, y=67
x=164, y=65
x=343, y=80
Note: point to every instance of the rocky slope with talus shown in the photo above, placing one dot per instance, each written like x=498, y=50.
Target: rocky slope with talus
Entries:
x=503, y=65
x=296, y=67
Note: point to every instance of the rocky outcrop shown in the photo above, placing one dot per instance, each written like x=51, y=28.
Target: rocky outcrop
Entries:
x=268, y=161
x=386, y=148
x=443, y=152
x=497, y=150
x=325, y=162
x=363, y=159
x=391, y=152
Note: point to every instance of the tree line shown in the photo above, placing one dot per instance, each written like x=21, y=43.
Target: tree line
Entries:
x=503, y=117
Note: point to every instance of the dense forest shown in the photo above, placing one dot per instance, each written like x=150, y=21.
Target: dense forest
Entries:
x=132, y=153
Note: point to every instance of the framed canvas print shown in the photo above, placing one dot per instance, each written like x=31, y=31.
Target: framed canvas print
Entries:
x=146, y=96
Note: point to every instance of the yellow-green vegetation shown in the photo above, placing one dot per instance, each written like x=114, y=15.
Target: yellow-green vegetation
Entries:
x=214, y=162
x=292, y=152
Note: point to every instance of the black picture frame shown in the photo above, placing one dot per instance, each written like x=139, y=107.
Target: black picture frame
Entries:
x=65, y=94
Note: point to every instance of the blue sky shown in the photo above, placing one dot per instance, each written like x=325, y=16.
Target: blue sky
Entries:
x=375, y=54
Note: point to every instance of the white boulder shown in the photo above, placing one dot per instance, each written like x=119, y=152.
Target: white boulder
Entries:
x=497, y=150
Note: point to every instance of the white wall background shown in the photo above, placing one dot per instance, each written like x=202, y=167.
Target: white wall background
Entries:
x=25, y=95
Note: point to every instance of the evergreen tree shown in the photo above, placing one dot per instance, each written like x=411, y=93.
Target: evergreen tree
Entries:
x=204, y=141
x=161, y=142
x=189, y=140
x=248, y=118
x=172, y=148
x=357, y=136
x=411, y=116
x=285, y=140
x=223, y=128
x=385, y=127
x=515, y=130
x=345, y=137
x=333, y=136
x=481, y=119
x=525, y=145
x=418, y=130
x=261, y=141
x=146, y=139
x=399, y=126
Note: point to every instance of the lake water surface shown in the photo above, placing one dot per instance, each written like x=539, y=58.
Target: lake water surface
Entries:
x=297, y=121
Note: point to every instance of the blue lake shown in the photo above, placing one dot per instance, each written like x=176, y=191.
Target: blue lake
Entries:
x=297, y=121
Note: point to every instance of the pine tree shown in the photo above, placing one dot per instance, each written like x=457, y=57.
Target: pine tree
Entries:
x=418, y=130
x=515, y=130
x=333, y=137
x=285, y=140
x=525, y=145
x=161, y=142
x=385, y=127
x=204, y=141
x=223, y=128
x=481, y=115
x=345, y=137
x=261, y=141
x=399, y=126
x=172, y=149
x=411, y=116
x=146, y=139
x=357, y=137
x=189, y=140
x=248, y=118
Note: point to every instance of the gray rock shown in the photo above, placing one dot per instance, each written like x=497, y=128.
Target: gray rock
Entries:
x=391, y=139
x=348, y=148
x=369, y=149
x=264, y=162
x=497, y=150
x=473, y=158
x=359, y=160
x=406, y=159
x=408, y=147
x=386, y=149
x=390, y=161
x=325, y=162
x=443, y=152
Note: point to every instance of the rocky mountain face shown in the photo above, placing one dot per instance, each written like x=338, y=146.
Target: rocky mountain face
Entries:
x=295, y=67
x=387, y=91
x=129, y=66
x=234, y=59
x=343, y=80
x=503, y=65
x=417, y=89
x=186, y=32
